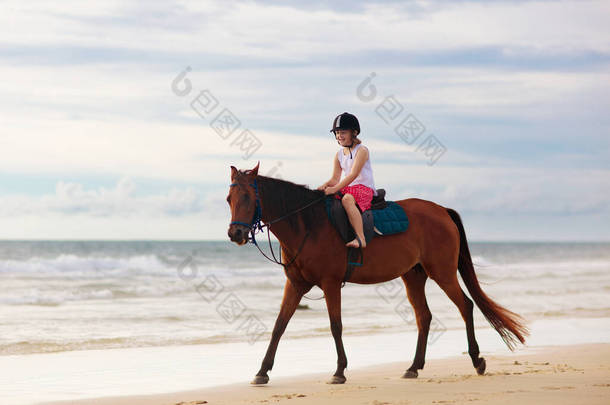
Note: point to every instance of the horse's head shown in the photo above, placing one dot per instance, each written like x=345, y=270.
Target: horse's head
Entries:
x=242, y=199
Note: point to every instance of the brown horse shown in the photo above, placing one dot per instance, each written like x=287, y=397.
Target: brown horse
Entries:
x=433, y=246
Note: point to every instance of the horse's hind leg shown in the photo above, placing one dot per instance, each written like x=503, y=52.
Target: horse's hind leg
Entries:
x=452, y=288
x=291, y=300
x=415, y=281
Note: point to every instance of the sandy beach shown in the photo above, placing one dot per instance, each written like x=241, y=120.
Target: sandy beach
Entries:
x=559, y=375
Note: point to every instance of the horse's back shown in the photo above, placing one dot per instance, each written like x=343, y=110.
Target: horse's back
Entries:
x=419, y=207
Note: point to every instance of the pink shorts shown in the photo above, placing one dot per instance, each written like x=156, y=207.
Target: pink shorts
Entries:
x=361, y=193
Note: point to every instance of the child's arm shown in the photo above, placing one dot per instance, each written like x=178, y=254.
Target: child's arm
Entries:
x=336, y=175
x=361, y=158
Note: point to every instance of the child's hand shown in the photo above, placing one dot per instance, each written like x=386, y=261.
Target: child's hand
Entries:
x=330, y=190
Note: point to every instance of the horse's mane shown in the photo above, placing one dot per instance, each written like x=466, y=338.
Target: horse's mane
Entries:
x=282, y=197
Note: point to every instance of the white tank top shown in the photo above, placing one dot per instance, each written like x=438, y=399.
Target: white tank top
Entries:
x=366, y=174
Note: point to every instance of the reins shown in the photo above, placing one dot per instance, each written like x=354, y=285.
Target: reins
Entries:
x=257, y=226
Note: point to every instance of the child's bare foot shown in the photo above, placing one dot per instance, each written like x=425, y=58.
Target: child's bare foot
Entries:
x=356, y=243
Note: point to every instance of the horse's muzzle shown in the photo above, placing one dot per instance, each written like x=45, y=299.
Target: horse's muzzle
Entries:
x=238, y=234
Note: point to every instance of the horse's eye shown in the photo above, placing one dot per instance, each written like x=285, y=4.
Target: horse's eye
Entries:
x=229, y=199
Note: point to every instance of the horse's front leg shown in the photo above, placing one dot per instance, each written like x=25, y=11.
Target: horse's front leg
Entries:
x=332, y=294
x=291, y=300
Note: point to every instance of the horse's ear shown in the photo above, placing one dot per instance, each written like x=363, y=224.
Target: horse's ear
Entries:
x=255, y=170
x=234, y=172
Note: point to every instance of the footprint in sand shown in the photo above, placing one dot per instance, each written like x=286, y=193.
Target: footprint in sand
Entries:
x=192, y=403
x=288, y=396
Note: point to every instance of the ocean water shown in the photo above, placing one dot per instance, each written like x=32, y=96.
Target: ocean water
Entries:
x=68, y=296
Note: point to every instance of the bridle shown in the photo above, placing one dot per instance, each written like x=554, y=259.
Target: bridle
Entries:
x=256, y=225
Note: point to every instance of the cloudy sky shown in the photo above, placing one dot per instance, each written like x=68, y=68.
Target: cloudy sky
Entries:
x=99, y=138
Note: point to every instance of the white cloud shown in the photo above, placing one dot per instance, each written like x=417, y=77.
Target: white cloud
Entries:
x=480, y=190
x=250, y=28
x=487, y=197
x=74, y=199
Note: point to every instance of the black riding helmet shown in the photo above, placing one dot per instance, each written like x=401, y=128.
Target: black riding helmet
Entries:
x=346, y=121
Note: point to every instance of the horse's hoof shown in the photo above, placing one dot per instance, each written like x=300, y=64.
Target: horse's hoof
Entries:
x=410, y=374
x=481, y=367
x=260, y=380
x=337, y=379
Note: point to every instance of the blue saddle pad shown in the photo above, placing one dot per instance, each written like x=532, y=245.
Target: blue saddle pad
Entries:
x=391, y=219
x=386, y=221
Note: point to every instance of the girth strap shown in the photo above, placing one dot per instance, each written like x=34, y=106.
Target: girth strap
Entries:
x=352, y=262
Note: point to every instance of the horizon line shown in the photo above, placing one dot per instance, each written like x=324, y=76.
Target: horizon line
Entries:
x=275, y=241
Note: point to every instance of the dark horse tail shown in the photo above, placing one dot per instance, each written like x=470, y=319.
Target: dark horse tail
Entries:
x=507, y=323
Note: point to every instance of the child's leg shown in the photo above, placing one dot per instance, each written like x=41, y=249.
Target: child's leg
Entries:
x=355, y=218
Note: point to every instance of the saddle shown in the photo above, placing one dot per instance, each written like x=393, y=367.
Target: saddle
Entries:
x=383, y=218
